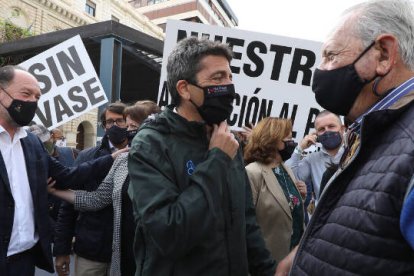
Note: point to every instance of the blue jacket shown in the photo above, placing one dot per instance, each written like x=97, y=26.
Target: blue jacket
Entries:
x=66, y=156
x=407, y=216
x=40, y=166
x=92, y=230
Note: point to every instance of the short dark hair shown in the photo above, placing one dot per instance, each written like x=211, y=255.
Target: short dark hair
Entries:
x=141, y=110
x=7, y=74
x=184, y=61
x=116, y=107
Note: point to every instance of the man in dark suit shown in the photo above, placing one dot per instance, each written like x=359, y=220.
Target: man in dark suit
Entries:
x=25, y=166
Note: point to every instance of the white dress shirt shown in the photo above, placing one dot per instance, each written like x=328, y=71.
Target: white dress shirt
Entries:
x=23, y=236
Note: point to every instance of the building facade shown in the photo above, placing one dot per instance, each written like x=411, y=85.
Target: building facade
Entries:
x=43, y=16
x=146, y=16
x=212, y=12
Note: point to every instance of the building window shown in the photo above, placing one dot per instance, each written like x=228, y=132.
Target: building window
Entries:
x=114, y=18
x=138, y=3
x=90, y=8
x=152, y=2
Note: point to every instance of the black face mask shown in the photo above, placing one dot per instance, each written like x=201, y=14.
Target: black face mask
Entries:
x=130, y=135
x=286, y=153
x=336, y=90
x=330, y=140
x=22, y=112
x=218, y=103
x=117, y=135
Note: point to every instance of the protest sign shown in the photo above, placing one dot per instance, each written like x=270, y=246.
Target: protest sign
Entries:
x=69, y=84
x=272, y=74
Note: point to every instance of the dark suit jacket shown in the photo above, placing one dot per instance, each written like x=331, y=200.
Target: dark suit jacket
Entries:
x=40, y=166
x=92, y=229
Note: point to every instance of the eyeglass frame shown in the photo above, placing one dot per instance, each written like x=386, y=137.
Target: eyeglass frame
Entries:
x=112, y=122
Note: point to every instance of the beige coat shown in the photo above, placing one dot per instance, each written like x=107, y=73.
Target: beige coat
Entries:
x=272, y=209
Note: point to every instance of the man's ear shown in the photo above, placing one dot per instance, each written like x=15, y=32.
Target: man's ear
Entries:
x=182, y=89
x=387, y=44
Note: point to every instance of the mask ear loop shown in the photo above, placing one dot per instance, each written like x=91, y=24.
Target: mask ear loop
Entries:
x=7, y=95
x=375, y=84
x=374, y=88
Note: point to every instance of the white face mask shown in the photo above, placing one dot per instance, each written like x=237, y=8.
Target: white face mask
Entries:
x=61, y=143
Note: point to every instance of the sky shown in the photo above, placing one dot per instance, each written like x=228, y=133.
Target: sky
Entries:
x=306, y=19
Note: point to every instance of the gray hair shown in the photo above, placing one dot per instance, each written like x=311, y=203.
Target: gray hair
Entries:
x=40, y=131
x=184, y=61
x=387, y=16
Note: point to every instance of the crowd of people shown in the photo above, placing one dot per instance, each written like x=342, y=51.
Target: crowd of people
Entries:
x=176, y=192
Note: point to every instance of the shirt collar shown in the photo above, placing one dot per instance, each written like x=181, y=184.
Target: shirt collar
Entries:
x=19, y=134
x=390, y=99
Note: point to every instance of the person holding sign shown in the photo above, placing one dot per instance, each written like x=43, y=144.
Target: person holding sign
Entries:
x=277, y=195
x=25, y=166
x=191, y=197
x=367, y=75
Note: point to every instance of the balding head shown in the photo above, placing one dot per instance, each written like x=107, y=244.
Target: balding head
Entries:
x=19, y=93
x=328, y=121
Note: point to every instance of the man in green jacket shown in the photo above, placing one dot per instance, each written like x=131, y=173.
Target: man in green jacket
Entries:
x=190, y=193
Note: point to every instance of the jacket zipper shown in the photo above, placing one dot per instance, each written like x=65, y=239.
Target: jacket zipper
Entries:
x=145, y=250
x=317, y=209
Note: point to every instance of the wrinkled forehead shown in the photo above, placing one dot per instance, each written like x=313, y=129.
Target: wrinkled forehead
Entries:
x=24, y=81
x=343, y=35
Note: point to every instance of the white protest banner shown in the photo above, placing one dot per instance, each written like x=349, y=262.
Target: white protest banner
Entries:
x=68, y=82
x=272, y=74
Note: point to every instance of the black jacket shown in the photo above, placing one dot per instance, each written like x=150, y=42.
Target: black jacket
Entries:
x=92, y=230
x=355, y=228
x=193, y=205
x=40, y=166
x=66, y=156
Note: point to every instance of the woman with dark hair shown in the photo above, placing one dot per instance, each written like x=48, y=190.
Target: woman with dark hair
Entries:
x=113, y=190
x=277, y=196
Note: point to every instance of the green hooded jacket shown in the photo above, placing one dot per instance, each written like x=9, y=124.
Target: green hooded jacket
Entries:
x=193, y=206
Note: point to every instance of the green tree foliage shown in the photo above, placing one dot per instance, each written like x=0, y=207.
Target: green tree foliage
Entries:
x=10, y=32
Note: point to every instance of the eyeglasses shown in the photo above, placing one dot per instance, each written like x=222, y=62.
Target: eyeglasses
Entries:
x=119, y=122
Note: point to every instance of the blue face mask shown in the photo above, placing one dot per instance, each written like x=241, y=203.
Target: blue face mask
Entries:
x=330, y=140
